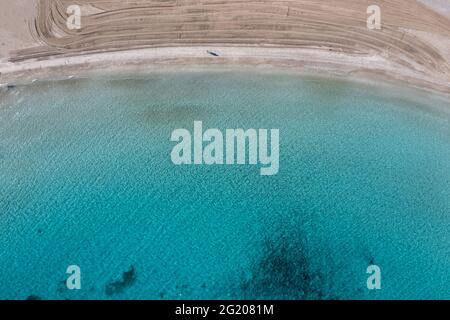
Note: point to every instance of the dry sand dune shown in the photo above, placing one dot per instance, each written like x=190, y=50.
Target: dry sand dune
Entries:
x=414, y=39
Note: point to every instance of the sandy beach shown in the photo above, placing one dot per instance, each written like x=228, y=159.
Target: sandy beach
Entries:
x=412, y=47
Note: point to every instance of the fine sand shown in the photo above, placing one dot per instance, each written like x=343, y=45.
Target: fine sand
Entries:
x=15, y=20
x=318, y=36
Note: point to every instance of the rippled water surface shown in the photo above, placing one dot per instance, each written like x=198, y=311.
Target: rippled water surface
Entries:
x=86, y=178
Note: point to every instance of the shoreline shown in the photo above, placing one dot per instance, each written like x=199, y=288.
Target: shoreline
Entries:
x=314, y=62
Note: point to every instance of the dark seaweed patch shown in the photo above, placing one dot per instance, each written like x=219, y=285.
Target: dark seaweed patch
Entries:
x=285, y=272
x=171, y=114
x=62, y=286
x=128, y=279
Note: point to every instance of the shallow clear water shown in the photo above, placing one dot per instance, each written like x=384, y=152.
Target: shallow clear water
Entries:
x=86, y=178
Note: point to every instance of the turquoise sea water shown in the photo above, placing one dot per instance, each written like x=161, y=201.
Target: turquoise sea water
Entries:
x=86, y=179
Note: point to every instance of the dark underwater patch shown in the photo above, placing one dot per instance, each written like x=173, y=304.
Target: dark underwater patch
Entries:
x=285, y=271
x=126, y=82
x=33, y=297
x=171, y=114
x=61, y=286
x=128, y=279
